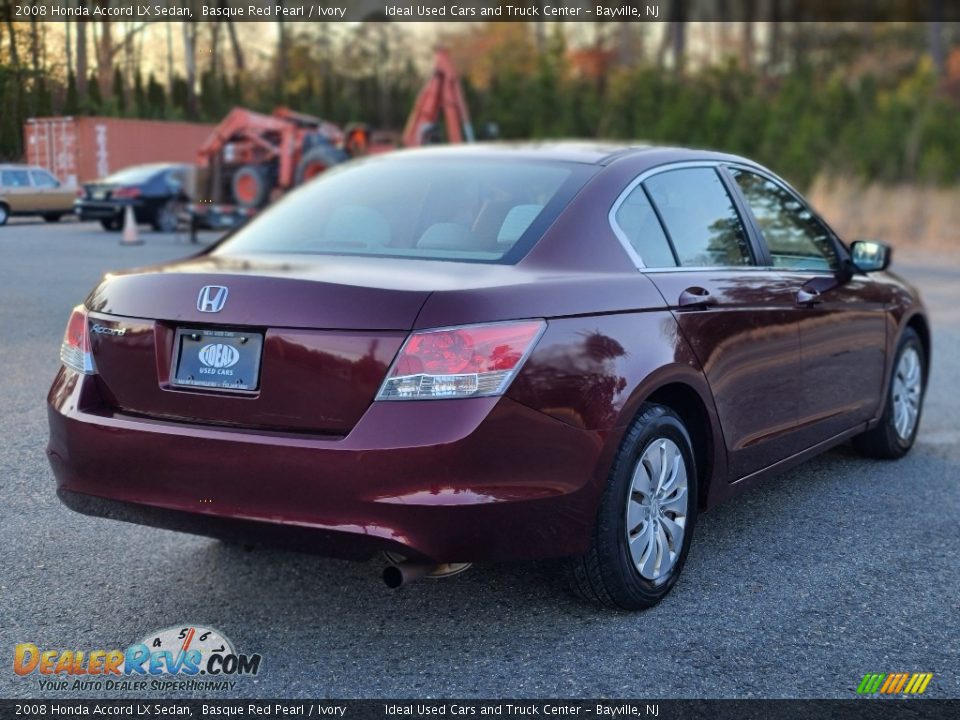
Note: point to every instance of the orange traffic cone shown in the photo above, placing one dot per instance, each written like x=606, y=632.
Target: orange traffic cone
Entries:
x=129, y=236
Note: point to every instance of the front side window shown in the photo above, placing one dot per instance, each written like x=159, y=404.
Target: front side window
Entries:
x=469, y=209
x=14, y=179
x=41, y=178
x=700, y=218
x=795, y=237
x=639, y=224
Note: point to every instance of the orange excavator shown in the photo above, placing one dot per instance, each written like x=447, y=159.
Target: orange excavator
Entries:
x=443, y=94
x=252, y=158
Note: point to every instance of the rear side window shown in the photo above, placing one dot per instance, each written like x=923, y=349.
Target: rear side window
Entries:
x=639, y=224
x=796, y=239
x=14, y=178
x=700, y=218
x=466, y=209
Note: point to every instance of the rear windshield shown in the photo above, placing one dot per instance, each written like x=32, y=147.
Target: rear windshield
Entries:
x=478, y=210
x=136, y=175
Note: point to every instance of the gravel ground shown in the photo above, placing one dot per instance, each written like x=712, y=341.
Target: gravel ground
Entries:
x=795, y=589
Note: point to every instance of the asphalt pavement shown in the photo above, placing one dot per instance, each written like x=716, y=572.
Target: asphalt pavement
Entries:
x=796, y=588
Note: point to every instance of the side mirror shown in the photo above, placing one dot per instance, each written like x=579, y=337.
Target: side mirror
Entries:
x=870, y=255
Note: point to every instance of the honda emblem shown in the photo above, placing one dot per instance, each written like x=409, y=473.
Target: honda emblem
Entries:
x=212, y=298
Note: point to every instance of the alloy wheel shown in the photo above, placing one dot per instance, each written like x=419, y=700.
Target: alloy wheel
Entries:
x=907, y=386
x=657, y=509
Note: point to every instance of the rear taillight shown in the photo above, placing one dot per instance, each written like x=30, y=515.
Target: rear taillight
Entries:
x=459, y=362
x=126, y=192
x=75, y=351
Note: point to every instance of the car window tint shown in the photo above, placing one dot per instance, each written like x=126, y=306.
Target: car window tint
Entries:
x=700, y=217
x=436, y=208
x=41, y=178
x=796, y=239
x=639, y=223
x=14, y=178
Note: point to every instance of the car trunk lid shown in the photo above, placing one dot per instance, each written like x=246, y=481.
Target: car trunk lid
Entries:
x=324, y=344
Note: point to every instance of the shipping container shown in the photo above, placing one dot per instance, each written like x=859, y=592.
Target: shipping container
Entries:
x=81, y=149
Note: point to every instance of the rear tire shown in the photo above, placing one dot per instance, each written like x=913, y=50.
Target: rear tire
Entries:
x=167, y=217
x=904, y=404
x=4, y=213
x=635, y=556
x=111, y=224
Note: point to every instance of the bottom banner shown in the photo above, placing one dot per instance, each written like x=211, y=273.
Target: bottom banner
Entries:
x=475, y=709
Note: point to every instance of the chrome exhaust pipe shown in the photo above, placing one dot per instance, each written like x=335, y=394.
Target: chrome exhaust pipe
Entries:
x=403, y=573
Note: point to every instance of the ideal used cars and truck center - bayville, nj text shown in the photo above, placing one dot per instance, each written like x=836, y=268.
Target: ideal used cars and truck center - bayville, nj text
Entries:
x=267, y=12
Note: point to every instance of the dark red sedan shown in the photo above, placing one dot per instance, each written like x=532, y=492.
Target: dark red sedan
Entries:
x=489, y=353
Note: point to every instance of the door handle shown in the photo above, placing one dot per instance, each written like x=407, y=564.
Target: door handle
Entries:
x=808, y=297
x=696, y=297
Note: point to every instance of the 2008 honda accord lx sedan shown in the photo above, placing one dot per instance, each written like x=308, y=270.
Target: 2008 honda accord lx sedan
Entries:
x=485, y=353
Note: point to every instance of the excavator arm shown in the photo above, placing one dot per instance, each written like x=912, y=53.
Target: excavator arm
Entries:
x=441, y=96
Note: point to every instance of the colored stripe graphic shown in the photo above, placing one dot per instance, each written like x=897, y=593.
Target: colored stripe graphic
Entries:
x=894, y=683
x=903, y=681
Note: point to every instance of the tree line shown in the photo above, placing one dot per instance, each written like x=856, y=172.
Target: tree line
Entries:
x=874, y=100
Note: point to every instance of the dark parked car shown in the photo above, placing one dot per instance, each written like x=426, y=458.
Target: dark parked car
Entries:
x=490, y=353
x=156, y=192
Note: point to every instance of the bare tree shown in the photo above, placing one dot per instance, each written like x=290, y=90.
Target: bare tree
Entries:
x=747, y=44
x=935, y=37
x=238, y=60
x=678, y=34
x=775, y=34
x=169, y=27
x=12, y=34
x=81, y=56
x=190, y=58
x=69, y=47
x=282, y=45
x=105, y=56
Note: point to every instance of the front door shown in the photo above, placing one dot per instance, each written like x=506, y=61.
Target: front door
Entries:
x=50, y=194
x=842, y=322
x=739, y=319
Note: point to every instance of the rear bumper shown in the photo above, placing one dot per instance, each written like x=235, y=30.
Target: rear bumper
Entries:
x=110, y=209
x=447, y=481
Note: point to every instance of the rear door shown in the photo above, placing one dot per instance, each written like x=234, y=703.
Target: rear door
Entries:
x=842, y=321
x=50, y=194
x=684, y=227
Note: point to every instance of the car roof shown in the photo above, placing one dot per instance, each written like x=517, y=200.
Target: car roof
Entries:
x=149, y=166
x=590, y=152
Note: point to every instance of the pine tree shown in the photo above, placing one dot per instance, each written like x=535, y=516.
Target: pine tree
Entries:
x=94, y=101
x=139, y=96
x=156, y=98
x=71, y=105
x=119, y=95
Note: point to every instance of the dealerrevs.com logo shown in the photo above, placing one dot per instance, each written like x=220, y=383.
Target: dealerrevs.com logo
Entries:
x=186, y=657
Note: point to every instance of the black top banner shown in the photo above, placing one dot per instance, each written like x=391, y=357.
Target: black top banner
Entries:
x=483, y=10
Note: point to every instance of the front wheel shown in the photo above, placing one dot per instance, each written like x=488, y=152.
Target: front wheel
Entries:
x=893, y=437
x=646, y=517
